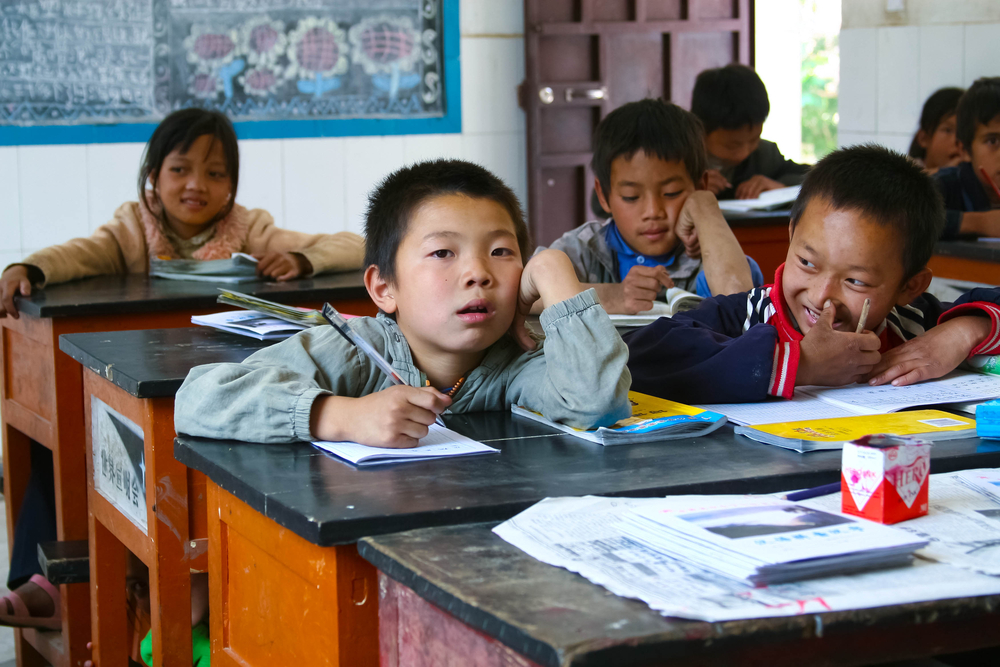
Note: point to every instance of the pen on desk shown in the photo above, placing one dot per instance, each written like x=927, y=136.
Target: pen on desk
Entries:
x=864, y=315
x=338, y=322
x=986, y=175
x=815, y=492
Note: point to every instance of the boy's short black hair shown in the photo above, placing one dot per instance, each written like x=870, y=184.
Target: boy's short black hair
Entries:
x=885, y=186
x=729, y=98
x=941, y=104
x=979, y=105
x=654, y=127
x=394, y=200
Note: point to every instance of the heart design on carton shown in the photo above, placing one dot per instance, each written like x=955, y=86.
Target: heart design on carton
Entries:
x=909, y=478
x=862, y=470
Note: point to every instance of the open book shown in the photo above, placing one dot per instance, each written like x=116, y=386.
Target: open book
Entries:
x=815, y=434
x=652, y=419
x=677, y=301
x=305, y=317
x=767, y=201
x=239, y=268
x=860, y=399
x=440, y=442
x=249, y=323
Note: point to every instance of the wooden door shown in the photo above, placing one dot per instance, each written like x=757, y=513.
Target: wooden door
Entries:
x=587, y=57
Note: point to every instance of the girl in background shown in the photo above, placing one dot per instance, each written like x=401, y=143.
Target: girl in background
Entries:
x=935, y=145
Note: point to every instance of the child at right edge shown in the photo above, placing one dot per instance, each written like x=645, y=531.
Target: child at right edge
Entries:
x=863, y=228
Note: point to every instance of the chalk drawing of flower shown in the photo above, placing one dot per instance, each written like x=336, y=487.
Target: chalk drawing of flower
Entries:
x=213, y=53
x=262, y=41
x=205, y=86
x=209, y=48
x=387, y=47
x=317, y=48
x=261, y=81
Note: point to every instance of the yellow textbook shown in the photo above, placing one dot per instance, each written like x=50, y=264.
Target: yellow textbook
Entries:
x=652, y=419
x=814, y=434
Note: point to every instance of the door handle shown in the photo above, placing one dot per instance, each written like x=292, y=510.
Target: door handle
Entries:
x=589, y=94
x=546, y=95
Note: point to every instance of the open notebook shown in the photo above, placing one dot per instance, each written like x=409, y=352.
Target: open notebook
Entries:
x=677, y=301
x=440, y=442
x=861, y=399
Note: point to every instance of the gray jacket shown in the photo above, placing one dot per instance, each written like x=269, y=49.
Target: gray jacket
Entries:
x=596, y=262
x=579, y=377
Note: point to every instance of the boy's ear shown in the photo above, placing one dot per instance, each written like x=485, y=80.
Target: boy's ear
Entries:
x=379, y=290
x=601, y=197
x=914, y=287
x=922, y=139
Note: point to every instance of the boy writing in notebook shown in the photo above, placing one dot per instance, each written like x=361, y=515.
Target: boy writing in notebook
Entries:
x=649, y=158
x=862, y=230
x=732, y=104
x=971, y=198
x=445, y=242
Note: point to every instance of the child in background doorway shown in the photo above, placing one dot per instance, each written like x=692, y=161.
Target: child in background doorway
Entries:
x=935, y=145
x=732, y=104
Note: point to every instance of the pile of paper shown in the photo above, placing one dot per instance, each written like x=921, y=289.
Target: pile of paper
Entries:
x=986, y=481
x=306, y=317
x=766, y=540
x=237, y=269
x=588, y=536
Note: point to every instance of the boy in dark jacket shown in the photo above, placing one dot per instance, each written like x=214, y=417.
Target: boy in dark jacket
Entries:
x=863, y=228
x=732, y=104
x=971, y=201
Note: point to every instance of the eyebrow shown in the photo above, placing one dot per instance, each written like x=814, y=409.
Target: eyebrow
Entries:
x=635, y=184
x=450, y=234
x=852, y=267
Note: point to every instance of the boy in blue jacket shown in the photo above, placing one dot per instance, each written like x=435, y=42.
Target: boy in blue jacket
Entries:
x=863, y=227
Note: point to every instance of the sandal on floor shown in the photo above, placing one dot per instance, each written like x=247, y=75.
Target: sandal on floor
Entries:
x=21, y=618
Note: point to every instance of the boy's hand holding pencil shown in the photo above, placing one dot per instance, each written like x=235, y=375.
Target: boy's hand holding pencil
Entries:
x=396, y=417
x=831, y=358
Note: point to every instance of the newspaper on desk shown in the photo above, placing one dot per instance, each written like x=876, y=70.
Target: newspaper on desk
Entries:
x=962, y=524
x=586, y=536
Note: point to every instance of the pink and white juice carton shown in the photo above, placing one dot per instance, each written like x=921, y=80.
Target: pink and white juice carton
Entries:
x=884, y=478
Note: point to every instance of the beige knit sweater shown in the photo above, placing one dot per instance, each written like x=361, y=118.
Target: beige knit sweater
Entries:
x=123, y=245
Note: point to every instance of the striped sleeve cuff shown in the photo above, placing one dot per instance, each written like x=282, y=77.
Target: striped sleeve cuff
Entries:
x=990, y=344
x=784, y=369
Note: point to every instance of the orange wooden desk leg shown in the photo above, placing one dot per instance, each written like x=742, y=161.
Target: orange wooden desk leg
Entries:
x=107, y=604
x=172, y=558
x=277, y=599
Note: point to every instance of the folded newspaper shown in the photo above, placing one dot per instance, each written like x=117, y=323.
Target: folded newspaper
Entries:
x=586, y=536
x=249, y=323
x=306, y=317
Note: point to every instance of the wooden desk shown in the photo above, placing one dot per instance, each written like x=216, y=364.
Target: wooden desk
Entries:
x=442, y=602
x=288, y=587
x=978, y=261
x=763, y=235
x=137, y=374
x=42, y=399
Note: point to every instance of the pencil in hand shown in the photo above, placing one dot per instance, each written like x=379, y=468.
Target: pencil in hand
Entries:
x=864, y=315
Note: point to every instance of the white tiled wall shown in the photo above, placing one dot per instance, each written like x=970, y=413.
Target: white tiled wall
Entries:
x=49, y=194
x=887, y=72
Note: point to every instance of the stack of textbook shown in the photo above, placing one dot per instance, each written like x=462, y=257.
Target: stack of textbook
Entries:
x=305, y=317
x=765, y=540
x=239, y=268
x=249, y=323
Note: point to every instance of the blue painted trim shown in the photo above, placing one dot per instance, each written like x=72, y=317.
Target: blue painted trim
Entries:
x=451, y=122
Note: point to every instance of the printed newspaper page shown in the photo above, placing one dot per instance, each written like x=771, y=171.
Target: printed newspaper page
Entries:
x=584, y=535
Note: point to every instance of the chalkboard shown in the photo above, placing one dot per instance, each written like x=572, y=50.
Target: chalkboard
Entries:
x=75, y=71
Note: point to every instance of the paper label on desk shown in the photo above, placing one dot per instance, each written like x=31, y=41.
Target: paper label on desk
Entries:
x=119, y=461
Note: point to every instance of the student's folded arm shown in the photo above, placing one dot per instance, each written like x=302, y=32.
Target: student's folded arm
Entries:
x=269, y=397
x=99, y=254
x=686, y=360
x=580, y=376
x=982, y=302
x=342, y=251
x=982, y=223
x=725, y=265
